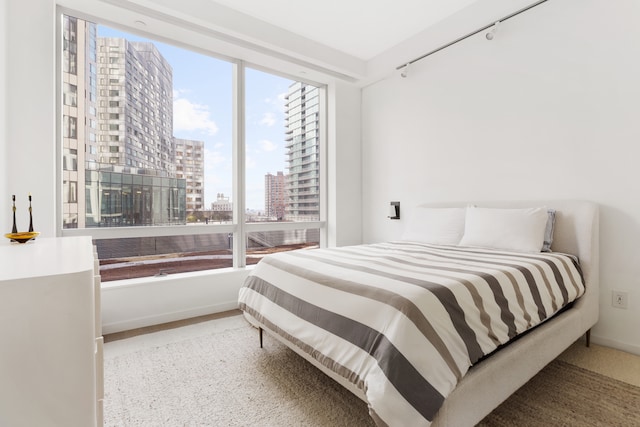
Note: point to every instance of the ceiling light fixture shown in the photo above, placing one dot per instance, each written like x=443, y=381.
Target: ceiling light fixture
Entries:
x=491, y=34
x=405, y=71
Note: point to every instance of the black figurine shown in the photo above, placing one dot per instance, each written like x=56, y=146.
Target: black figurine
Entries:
x=30, y=216
x=15, y=228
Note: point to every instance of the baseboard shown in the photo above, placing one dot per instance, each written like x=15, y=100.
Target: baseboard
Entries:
x=160, y=318
x=606, y=342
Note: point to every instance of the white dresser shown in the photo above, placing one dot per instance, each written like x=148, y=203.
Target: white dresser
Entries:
x=51, y=365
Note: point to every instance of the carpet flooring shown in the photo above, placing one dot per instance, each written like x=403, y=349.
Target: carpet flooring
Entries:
x=214, y=374
x=563, y=394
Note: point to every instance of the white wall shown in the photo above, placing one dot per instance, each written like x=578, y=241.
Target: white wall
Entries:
x=344, y=164
x=5, y=222
x=30, y=112
x=549, y=109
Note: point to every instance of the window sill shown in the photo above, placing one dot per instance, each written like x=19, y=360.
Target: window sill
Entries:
x=154, y=280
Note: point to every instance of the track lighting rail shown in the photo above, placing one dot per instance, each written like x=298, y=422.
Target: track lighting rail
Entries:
x=479, y=30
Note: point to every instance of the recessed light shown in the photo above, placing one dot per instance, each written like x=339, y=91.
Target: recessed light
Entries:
x=140, y=23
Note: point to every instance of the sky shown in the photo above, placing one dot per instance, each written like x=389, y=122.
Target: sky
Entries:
x=202, y=111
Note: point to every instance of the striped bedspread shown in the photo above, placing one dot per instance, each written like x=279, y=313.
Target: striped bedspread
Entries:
x=405, y=321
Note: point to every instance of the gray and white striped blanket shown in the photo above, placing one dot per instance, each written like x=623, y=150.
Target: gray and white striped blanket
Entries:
x=405, y=321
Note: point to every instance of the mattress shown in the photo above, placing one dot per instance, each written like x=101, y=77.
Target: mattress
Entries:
x=404, y=321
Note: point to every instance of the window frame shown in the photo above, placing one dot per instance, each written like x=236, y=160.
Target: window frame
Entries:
x=238, y=227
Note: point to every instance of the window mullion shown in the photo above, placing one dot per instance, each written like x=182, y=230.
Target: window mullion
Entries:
x=324, y=200
x=239, y=166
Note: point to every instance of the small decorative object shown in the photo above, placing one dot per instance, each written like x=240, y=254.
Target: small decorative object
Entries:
x=15, y=228
x=24, y=236
x=30, y=216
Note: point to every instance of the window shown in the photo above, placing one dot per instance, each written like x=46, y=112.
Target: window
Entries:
x=70, y=159
x=69, y=36
x=70, y=127
x=158, y=174
x=70, y=95
x=283, y=177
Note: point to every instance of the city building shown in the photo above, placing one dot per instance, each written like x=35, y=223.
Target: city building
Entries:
x=303, y=156
x=79, y=98
x=189, y=163
x=135, y=93
x=275, y=195
x=222, y=208
x=124, y=196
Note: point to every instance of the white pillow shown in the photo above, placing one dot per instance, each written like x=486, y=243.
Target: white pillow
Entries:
x=519, y=230
x=438, y=226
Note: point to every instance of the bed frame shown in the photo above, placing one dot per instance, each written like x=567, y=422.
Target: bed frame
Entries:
x=576, y=232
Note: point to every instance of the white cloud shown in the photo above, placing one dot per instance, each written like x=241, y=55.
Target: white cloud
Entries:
x=267, y=145
x=188, y=116
x=268, y=119
x=213, y=158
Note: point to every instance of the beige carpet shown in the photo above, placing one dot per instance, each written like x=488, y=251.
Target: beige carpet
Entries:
x=192, y=377
x=214, y=374
x=563, y=394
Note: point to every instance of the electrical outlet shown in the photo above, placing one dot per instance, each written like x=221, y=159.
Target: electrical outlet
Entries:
x=619, y=299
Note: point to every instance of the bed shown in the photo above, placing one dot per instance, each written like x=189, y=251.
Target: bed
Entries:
x=435, y=332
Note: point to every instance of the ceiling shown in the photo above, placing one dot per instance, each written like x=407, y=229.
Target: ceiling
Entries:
x=359, y=41
x=360, y=28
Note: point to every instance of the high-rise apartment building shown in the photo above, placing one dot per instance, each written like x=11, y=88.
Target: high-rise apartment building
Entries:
x=190, y=167
x=275, y=195
x=303, y=156
x=135, y=92
x=79, y=128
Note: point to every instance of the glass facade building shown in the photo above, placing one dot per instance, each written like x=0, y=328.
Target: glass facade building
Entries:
x=119, y=198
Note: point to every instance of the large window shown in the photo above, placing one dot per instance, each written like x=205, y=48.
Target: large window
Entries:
x=155, y=168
